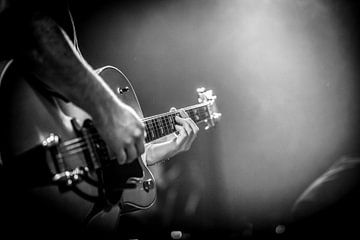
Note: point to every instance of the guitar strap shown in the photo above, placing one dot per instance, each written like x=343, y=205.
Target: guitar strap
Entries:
x=101, y=205
x=3, y=67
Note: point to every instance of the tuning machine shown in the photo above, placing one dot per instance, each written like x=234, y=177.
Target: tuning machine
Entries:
x=208, y=97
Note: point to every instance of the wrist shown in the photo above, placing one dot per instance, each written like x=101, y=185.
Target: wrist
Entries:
x=160, y=152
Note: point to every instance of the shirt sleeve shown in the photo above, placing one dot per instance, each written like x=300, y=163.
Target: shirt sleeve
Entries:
x=15, y=18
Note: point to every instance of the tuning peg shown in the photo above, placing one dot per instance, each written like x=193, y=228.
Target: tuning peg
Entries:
x=209, y=124
x=200, y=90
x=216, y=116
x=202, y=94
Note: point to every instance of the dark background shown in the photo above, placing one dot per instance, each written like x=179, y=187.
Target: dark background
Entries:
x=286, y=77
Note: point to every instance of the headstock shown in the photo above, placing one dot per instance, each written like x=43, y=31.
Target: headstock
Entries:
x=207, y=96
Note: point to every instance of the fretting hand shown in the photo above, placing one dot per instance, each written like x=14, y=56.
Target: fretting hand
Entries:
x=173, y=144
x=122, y=130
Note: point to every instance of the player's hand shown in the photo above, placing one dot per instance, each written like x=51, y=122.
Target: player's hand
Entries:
x=173, y=144
x=122, y=129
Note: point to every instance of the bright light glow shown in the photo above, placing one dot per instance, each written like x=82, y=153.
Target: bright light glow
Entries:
x=282, y=74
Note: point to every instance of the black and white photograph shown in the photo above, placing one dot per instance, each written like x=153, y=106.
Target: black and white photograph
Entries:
x=179, y=119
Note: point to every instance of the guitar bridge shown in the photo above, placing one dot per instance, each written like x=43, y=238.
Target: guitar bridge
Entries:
x=61, y=175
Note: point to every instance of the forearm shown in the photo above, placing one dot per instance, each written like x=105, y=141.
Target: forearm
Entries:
x=159, y=151
x=52, y=59
x=47, y=55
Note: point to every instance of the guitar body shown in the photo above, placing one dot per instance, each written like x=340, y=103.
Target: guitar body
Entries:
x=132, y=199
x=29, y=115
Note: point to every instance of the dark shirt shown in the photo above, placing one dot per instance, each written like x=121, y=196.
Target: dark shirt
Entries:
x=15, y=18
x=22, y=212
x=15, y=39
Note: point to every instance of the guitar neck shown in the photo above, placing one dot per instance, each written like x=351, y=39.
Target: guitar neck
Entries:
x=160, y=125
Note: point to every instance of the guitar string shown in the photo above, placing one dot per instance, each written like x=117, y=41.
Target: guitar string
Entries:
x=166, y=123
x=197, y=106
x=75, y=148
x=74, y=151
x=77, y=144
x=200, y=114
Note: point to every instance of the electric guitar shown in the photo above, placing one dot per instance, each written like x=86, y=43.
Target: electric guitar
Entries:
x=53, y=147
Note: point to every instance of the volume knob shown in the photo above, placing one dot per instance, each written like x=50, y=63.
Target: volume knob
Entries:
x=122, y=90
x=148, y=185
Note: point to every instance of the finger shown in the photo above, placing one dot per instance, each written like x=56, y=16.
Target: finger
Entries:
x=188, y=128
x=180, y=121
x=183, y=114
x=140, y=147
x=140, y=131
x=139, y=137
x=121, y=157
x=180, y=140
x=182, y=132
x=172, y=109
x=193, y=125
x=185, y=124
x=145, y=134
x=131, y=153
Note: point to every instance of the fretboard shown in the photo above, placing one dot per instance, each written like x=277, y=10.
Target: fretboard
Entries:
x=164, y=124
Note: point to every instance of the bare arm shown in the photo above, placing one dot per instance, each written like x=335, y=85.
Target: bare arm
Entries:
x=52, y=58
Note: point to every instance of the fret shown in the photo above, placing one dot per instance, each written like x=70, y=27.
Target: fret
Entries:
x=172, y=122
x=148, y=132
x=163, y=124
x=168, y=125
x=198, y=114
x=162, y=127
x=152, y=130
x=155, y=129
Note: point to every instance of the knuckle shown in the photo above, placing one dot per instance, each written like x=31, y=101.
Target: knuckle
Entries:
x=128, y=142
x=131, y=157
x=138, y=134
x=121, y=158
